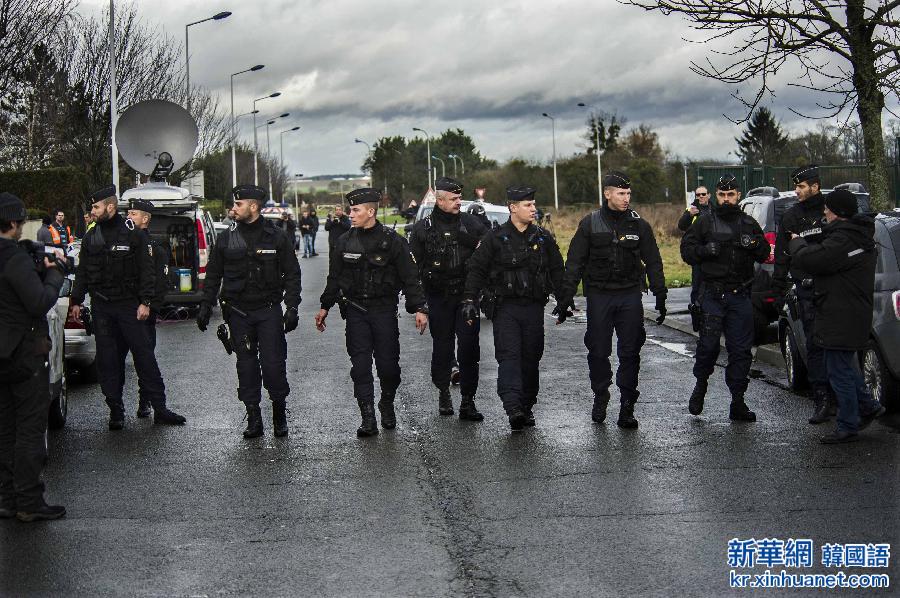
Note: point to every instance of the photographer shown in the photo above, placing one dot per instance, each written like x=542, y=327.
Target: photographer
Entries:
x=28, y=290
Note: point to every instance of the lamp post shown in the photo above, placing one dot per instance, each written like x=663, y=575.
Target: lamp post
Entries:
x=113, y=110
x=233, y=139
x=596, y=124
x=187, y=55
x=255, y=142
x=296, y=203
x=281, y=154
x=443, y=169
x=555, y=186
x=269, y=123
x=428, y=150
x=369, y=153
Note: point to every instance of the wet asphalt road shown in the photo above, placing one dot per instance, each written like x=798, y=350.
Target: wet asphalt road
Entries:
x=438, y=506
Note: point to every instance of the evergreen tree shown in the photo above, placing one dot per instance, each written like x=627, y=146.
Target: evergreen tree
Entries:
x=763, y=142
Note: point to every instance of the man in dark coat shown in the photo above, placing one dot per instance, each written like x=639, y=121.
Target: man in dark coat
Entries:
x=699, y=207
x=336, y=226
x=843, y=269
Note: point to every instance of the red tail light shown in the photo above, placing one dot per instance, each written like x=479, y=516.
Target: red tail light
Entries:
x=770, y=237
x=896, y=300
x=201, y=238
x=72, y=323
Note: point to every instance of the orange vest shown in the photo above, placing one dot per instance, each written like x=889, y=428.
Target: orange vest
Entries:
x=57, y=239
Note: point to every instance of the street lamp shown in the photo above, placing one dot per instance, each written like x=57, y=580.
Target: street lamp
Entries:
x=368, y=147
x=428, y=150
x=281, y=155
x=270, y=122
x=296, y=204
x=187, y=56
x=233, y=140
x=443, y=169
x=555, y=186
x=255, y=143
x=596, y=124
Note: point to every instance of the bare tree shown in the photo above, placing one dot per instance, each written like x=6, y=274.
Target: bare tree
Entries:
x=847, y=51
x=23, y=25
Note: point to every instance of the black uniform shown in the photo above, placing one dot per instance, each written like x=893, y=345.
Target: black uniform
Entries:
x=442, y=244
x=684, y=223
x=366, y=271
x=725, y=243
x=161, y=258
x=256, y=268
x=336, y=227
x=521, y=269
x=116, y=267
x=611, y=251
x=25, y=299
x=805, y=219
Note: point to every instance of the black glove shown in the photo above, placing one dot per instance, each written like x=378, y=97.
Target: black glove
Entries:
x=563, y=309
x=661, y=307
x=203, y=316
x=291, y=319
x=711, y=249
x=781, y=287
x=469, y=312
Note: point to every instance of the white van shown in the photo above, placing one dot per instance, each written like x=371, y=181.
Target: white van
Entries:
x=186, y=229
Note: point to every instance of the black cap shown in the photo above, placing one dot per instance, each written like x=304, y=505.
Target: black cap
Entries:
x=841, y=202
x=104, y=193
x=805, y=173
x=617, y=179
x=363, y=195
x=519, y=193
x=249, y=192
x=477, y=209
x=11, y=208
x=727, y=182
x=144, y=205
x=447, y=184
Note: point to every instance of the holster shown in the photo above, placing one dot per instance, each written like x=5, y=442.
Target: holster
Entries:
x=224, y=336
x=696, y=316
x=489, y=302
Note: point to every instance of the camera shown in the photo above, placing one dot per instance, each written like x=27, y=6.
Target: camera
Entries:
x=39, y=251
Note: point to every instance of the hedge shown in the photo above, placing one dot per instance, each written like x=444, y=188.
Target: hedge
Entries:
x=49, y=189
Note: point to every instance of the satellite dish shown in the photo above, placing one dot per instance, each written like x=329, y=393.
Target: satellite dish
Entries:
x=153, y=127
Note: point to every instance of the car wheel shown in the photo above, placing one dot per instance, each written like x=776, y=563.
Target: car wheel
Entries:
x=59, y=405
x=882, y=385
x=794, y=367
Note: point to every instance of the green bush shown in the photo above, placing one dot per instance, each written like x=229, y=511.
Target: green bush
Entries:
x=50, y=189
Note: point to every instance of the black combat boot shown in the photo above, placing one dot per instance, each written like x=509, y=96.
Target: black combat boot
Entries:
x=739, y=411
x=254, y=422
x=528, y=410
x=164, y=415
x=823, y=406
x=43, y=512
x=598, y=412
x=144, y=409
x=445, y=403
x=467, y=409
x=695, y=403
x=386, y=408
x=116, y=415
x=279, y=418
x=517, y=419
x=369, y=425
x=626, y=416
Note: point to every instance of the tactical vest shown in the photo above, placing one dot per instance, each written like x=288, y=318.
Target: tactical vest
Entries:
x=368, y=274
x=809, y=225
x=615, y=251
x=111, y=264
x=251, y=271
x=735, y=263
x=446, y=255
x=522, y=271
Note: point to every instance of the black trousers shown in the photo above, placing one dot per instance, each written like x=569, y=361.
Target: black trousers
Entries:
x=261, y=351
x=696, y=280
x=519, y=346
x=732, y=314
x=374, y=333
x=23, y=451
x=449, y=333
x=815, y=355
x=118, y=331
x=623, y=313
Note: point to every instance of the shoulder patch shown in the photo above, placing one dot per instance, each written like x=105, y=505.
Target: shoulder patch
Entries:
x=129, y=224
x=635, y=215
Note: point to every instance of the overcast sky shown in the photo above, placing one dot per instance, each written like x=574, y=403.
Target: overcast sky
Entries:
x=372, y=68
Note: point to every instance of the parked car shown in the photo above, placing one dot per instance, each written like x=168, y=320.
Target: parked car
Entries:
x=56, y=367
x=81, y=347
x=880, y=362
x=767, y=205
x=187, y=229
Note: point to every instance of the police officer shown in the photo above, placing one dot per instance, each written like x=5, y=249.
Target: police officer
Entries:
x=368, y=268
x=25, y=298
x=610, y=251
x=805, y=219
x=842, y=265
x=140, y=212
x=254, y=264
x=517, y=266
x=725, y=243
x=442, y=243
x=699, y=207
x=116, y=267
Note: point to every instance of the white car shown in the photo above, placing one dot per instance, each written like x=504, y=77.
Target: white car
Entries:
x=56, y=367
x=81, y=347
x=496, y=214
